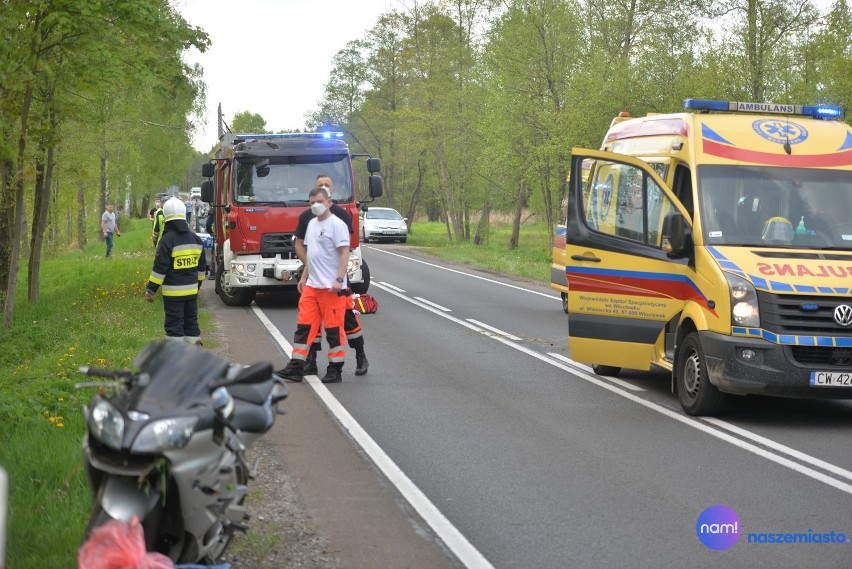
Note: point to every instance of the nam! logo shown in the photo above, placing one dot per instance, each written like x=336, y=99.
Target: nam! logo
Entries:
x=718, y=527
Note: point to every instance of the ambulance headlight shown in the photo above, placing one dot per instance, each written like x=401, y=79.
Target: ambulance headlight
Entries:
x=744, y=308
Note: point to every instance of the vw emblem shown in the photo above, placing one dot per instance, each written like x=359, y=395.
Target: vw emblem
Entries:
x=843, y=315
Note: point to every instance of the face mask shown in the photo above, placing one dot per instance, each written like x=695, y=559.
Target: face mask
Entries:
x=318, y=208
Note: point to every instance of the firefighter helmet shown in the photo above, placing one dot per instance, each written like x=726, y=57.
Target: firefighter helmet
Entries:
x=174, y=209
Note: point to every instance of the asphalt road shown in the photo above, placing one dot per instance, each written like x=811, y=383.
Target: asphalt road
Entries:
x=537, y=462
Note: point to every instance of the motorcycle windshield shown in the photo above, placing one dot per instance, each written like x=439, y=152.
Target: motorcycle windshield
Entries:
x=180, y=377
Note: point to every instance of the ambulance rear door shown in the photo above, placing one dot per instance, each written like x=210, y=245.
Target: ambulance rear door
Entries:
x=623, y=289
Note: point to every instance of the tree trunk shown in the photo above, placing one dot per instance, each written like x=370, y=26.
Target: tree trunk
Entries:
x=81, y=215
x=515, y=239
x=481, y=235
x=18, y=218
x=40, y=210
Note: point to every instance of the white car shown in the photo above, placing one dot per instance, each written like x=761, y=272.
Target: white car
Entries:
x=383, y=224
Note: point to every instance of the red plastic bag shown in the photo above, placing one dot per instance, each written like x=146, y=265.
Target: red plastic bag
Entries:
x=119, y=545
x=365, y=304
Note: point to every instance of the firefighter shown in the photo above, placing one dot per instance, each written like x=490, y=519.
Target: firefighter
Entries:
x=179, y=267
x=159, y=223
x=351, y=323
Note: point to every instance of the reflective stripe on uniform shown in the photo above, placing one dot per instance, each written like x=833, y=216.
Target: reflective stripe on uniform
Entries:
x=180, y=290
x=337, y=356
x=186, y=256
x=156, y=278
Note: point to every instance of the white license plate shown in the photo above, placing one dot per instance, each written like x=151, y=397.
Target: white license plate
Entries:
x=831, y=379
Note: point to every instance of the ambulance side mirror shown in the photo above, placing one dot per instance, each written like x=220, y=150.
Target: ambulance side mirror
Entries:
x=677, y=235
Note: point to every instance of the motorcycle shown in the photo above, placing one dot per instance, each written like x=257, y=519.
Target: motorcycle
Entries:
x=168, y=443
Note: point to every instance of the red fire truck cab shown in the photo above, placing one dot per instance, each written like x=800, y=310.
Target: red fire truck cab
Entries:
x=258, y=186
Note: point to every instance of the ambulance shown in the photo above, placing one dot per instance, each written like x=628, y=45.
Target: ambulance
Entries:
x=716, y=244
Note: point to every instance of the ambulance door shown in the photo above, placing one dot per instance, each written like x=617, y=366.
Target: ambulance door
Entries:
x=623, y=289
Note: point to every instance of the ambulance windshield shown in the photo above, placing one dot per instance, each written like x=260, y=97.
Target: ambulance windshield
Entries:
x=288, y=180
x=762, y=206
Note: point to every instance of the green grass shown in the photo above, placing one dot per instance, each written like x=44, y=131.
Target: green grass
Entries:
x=91, y=311
x=531, y=259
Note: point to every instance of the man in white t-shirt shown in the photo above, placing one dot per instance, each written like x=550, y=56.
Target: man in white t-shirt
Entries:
x=323, y=281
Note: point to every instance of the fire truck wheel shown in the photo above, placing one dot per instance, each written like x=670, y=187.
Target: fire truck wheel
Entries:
x=232, y=296
x=361, y=288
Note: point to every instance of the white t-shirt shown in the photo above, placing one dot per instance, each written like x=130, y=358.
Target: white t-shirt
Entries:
x=322, y=239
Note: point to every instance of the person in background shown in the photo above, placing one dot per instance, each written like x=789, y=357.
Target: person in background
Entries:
x=351, y=322
x=321, y=284
x=109, y=225
x=179, y=268
x=159, y=223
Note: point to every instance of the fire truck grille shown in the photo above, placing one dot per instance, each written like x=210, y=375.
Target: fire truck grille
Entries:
x=273, y=244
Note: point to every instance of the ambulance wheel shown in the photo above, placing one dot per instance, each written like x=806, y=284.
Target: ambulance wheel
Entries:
x=361, y=288
x=232, y=296
x=564, y=296
x=696, y=394
x=610, y=371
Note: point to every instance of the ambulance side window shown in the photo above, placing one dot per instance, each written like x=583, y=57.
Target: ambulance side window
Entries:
x=659, y=206
x=613, y=201
x=622, y=201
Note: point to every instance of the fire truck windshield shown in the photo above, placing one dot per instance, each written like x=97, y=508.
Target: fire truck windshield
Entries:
x=289, y=180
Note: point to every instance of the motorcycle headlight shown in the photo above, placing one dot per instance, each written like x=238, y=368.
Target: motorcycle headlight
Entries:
x=165, y=434
x=106, y=424
x=744, y=309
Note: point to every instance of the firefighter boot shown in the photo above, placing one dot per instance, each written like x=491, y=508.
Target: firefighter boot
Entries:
x=362, y=365
x=311, y=363
x=294, y=371
x=334, y=374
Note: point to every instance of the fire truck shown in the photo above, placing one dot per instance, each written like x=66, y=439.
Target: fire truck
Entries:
x=258, y=185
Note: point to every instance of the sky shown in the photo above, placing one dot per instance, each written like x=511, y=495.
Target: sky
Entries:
x=272, y=57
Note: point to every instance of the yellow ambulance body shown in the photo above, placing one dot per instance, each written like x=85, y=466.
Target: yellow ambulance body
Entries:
x=716, y=243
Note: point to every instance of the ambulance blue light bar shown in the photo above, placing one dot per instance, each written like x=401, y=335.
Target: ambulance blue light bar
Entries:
x=814, y=111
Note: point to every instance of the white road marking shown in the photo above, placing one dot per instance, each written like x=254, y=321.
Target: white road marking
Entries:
x=781, y=448
x=430, y=303
x=587, y=369
x=466, y=274
x=697, y=424
x=495, y=330
x=396, y=288
x=443, y=528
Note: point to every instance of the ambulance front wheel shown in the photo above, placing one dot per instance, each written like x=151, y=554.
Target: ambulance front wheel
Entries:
x=610, y=371
x=564, y=296
x=696, y=394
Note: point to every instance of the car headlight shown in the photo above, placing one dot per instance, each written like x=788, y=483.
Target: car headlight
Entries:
x=165, y=434
x=744, y=309
x=106, y=424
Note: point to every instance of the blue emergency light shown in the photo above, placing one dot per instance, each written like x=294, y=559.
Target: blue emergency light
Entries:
x=813, y=111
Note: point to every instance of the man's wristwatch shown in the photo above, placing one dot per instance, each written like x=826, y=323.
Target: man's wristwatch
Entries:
x=340, y=279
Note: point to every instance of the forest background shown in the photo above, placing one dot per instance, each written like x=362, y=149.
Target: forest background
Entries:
x=472, y=105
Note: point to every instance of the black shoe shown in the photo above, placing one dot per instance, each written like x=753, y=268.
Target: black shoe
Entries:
x=311, y=364
x=362, y=364
x=333, y=375
x=293, y=372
